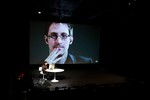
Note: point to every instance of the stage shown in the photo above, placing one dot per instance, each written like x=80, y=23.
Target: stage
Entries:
x=76, y=77
x=75, y=81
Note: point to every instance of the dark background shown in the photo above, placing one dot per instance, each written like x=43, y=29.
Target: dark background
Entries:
x=123, y=42
x=121, y=45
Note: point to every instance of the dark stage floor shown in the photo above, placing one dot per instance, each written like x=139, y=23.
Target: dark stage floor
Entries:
x=75, y=80
x=77, y=77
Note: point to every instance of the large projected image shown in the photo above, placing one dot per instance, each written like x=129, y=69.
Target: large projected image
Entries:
x=64, y=43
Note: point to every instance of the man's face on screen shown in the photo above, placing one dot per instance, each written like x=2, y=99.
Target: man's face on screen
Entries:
x=58, y=37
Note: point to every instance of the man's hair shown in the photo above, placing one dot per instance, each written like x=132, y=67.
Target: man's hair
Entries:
x=70, y=27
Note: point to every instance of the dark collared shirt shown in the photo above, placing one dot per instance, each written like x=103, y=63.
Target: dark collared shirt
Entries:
x=72, y=59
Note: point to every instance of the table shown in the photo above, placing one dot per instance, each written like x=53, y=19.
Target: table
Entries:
x=55, y=70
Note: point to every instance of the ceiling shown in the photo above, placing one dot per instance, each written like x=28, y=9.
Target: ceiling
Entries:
x=80, y=10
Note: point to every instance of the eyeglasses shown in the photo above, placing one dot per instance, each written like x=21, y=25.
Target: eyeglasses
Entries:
x=54, y=36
